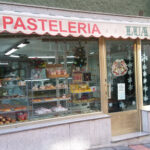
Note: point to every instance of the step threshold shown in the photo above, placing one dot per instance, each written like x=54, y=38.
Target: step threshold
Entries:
x=128, y=136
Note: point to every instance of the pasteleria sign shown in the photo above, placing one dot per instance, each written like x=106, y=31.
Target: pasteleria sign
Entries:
x=27, y=23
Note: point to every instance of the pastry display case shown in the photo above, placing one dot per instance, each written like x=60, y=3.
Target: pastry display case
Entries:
x=48, y=81
x=48, y=96
x=13, y=100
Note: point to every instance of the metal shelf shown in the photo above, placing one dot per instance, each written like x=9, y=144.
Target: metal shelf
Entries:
x=6, y=112
x=12, y=86
x=52, y=113
x=11, y=97
x=47, y=101
x=47, y=90
x=82, y=92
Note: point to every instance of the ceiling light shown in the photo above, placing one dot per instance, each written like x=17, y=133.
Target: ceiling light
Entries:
x=50, y=62
x=23, y=44
x=14, y=56
x=38, y=80
x=69, y=62
x=70, y=56
x=92, y=53
x=11, y=51
x=3, y=63
x=44, y=57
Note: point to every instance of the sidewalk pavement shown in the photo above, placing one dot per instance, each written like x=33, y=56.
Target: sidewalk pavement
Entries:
x=130, y=147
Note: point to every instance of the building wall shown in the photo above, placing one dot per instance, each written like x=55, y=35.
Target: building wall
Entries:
x=126, y=7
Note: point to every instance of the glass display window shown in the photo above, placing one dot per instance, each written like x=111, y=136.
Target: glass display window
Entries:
x=145, y=57
x=46, y=77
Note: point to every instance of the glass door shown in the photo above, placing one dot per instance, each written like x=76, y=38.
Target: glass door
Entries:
x=121, y=86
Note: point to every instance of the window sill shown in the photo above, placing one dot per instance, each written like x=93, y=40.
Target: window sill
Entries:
x=31, y=125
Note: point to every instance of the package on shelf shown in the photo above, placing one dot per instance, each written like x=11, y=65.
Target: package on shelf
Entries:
x=58, y=108
x=77, y=76
x=61, y=86
x=42, y=110
x=38, y=73
x=55, y=70
x=21, y=83
x=79, y=88
x=22, y=116
x=49, y=86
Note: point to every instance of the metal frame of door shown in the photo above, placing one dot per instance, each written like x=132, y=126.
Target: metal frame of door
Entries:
x=126, y=121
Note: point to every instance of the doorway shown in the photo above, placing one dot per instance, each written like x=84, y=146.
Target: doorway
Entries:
x=121, y=86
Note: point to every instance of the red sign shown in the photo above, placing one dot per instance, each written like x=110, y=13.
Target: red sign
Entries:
x=41, y=26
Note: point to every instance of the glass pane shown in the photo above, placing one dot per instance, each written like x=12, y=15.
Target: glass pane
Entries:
x=120, y=74
x=44, y=78
x=145, y=57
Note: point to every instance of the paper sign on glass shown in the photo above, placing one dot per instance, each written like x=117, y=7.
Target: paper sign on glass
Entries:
x=121, y=91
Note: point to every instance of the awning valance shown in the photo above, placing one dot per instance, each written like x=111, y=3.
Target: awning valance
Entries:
x=27, y=23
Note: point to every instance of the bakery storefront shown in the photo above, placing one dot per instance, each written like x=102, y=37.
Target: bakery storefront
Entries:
x=73, y=81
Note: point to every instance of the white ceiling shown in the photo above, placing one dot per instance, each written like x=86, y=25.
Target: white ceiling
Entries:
x=38, y=47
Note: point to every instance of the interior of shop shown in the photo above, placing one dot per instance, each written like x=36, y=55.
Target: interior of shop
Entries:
x=46, y=77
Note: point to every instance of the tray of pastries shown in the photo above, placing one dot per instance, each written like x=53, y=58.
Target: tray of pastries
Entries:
x=6, y=120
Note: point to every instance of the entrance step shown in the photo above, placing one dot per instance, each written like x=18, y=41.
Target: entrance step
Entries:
x=128, y=136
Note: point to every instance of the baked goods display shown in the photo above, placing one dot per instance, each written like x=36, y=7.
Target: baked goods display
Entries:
x=42, y=110
x=36, y=100
x=77, y=77
x=16, y=108
x=55, y=71
x=21, y=83
x=44, y=87
x=84, y=101
x=9, y=108
x=79, y=88
x=6, y=108
x=6, y=120
x=48, y=99
x=61, y=86
x=49, y=87
x=58, y=108
x=64, y=97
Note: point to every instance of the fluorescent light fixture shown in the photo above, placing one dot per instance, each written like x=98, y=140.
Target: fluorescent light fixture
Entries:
x=3, y=63
x=65, y=78
x=70, y=56
x=69, y=62
x=38, y=80
x=14, y=56
x=21, y=45
x=92, y=53
x=44, y=57
x=11, y=51
x=50, y=62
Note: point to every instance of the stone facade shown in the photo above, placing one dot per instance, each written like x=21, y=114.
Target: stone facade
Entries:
x=126, y=7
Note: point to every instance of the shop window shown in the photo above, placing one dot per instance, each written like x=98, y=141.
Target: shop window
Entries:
x=45, y=77
x=120, y=75
x=145, y=57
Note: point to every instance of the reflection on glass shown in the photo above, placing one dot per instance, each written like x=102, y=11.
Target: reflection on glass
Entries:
x=120, y=74
x=145, y=71
x=41, y=78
